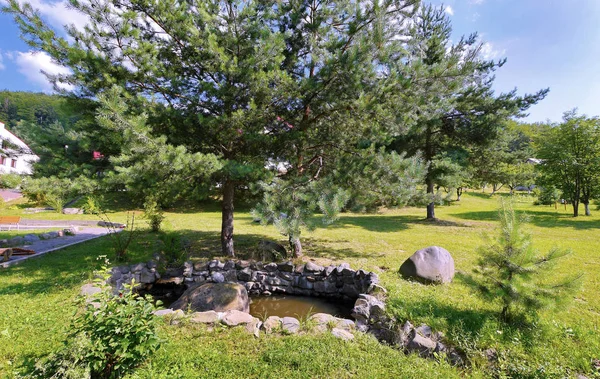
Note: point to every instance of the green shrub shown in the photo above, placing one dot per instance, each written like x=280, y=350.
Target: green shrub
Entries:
x=153, y=213
x=109, y=336
x=91, y=206
x=10, y=180
x=511, y=272
x=55, y=201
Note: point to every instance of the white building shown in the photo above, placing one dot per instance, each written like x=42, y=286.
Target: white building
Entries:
x=15, y=156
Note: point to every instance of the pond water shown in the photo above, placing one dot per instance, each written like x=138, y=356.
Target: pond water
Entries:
x=297, y=306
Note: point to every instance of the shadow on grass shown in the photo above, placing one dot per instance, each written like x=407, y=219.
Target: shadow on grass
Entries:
x=545, y=219
x=465, y=326
x=390, y=224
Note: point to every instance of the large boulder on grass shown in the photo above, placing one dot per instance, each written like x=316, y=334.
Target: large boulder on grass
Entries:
x=219, y=297
x=432, y=264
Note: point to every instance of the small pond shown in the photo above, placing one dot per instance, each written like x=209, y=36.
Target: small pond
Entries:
x=297, y=306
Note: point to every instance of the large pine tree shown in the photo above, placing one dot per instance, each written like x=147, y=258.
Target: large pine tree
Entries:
x=451, y=99
x=246, y=81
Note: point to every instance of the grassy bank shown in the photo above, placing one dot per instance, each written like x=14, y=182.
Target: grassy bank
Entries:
x=35, y=299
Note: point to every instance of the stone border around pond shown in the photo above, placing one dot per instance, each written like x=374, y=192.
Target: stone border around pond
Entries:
x=309, y=279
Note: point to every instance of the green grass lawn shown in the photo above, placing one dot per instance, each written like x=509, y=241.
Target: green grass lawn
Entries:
x=36, y=299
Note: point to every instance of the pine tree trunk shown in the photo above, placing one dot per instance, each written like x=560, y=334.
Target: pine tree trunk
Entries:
x=587, y=208
x=296, y=246
x=227, y=219
x=459, y=192
x=575, y=208
x=430, y=206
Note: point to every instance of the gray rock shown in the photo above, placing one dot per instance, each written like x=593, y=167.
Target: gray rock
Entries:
x=215, y=265
x=424, y=330
x=245, y=274
x=271, y=267
x=54, y=234
x=208, y=317
x=30, y=238
x=342, y=334
x=71, y=231
x=217, y=277
x=313, y=267
x=242, y=264
x=430, y=265
x=266, y=246
x=231, y=276
x=200, y=266
x=90, y=289
x=341, y=268
x=253, y=327
x=329, y=269
x=72, y=211
x=147, y=276
x=45, y=236
x=113, y=225
x=163, y=312
x=421, y=345
x=138, y=267
x=290, y=325
x=304, y=283
x=15, y=241
x=229, y=265
x=271, y=324
x=286, y=266
x=235, y=317
x=220, y=297
x=3, y=243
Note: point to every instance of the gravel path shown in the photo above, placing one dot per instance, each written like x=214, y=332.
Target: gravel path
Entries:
x=46, y=246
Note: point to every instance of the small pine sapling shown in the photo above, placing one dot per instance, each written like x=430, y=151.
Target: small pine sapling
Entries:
x=512, y=272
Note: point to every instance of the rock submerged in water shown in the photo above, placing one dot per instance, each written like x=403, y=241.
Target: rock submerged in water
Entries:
x=432, y=264
x=219, y=297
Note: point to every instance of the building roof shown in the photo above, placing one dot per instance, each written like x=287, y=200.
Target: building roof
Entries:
x=6, y=135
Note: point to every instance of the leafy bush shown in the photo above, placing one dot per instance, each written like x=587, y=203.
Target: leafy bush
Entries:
x=510, y=270
x=109, y=336
x=10, y=180
x=48, y=191
x=153, y=213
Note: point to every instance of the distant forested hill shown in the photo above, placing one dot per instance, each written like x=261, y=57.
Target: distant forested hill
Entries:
x=38, y=108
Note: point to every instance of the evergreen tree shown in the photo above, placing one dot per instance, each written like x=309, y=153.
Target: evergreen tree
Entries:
x=451, y=99
x=229, y=78
x=511, y=271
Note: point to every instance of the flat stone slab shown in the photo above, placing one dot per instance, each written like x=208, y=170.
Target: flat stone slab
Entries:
x=342, y=334
x=234, y=318
x=208, y=317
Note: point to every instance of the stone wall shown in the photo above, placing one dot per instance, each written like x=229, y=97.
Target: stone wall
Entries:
x=310, y=279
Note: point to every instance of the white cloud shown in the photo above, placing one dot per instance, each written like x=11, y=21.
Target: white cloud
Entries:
x=488, y=51
x=59, y=13
x=476, y=2
x=449, y=10
x=475, y=16
x=31, y=64
x=2, y=67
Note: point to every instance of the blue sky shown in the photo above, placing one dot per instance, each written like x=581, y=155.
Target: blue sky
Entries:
x=548, y=43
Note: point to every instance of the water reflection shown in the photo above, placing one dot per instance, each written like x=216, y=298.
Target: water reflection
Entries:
x=297, y=306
